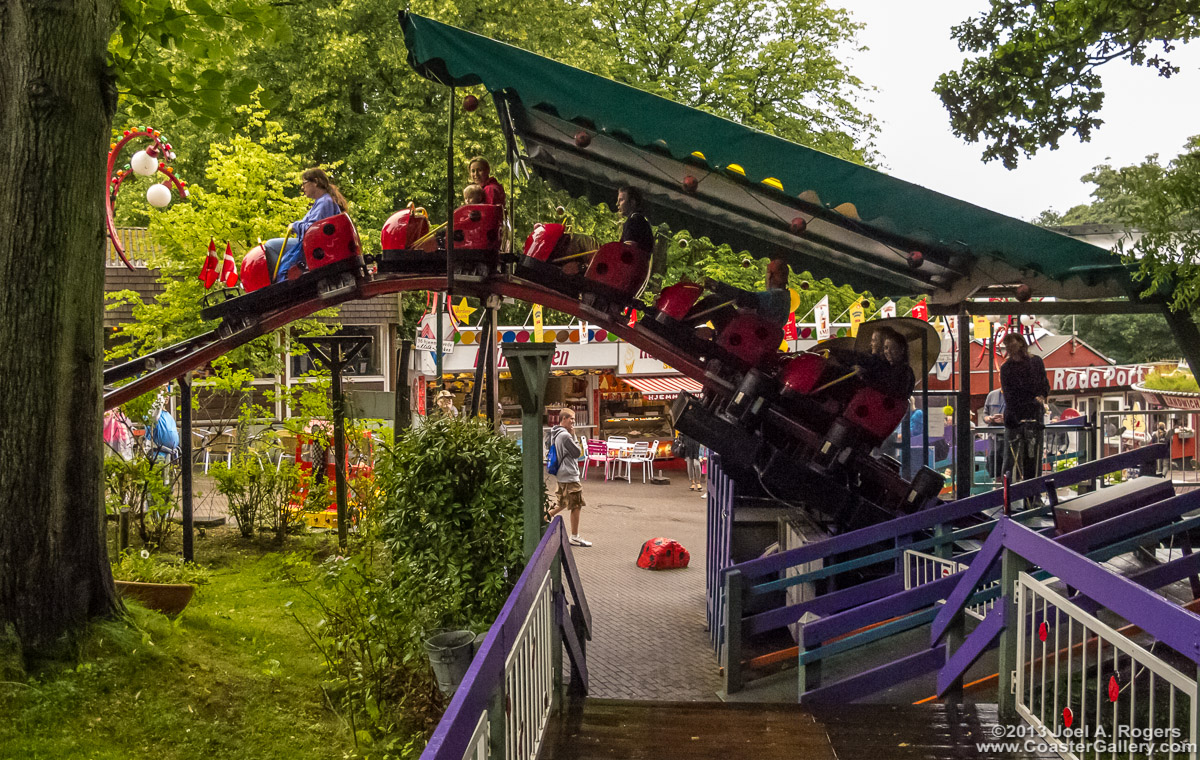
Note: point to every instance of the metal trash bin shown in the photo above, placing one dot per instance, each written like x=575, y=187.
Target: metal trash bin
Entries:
x=450, y=656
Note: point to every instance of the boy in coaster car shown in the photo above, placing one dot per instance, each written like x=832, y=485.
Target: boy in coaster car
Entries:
x=473, y=194
x=772, y=304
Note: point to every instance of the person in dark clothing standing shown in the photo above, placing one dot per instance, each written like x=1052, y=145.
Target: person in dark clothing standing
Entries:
x=636, y=231
x=1025, y=387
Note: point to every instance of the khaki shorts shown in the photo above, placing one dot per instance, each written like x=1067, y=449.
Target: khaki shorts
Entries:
x=570, y=495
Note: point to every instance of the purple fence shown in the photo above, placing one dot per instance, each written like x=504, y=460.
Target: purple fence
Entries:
x=721, y=493
x=465, y=729
x=844, y=611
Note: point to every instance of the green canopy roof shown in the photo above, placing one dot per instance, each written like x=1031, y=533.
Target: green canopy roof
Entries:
x=860, y=224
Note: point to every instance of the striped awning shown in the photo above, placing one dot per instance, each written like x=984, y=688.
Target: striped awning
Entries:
x=662, y=388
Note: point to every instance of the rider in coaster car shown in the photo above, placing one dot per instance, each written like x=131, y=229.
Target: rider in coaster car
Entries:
x=773, y=304
x=636, y=231
x=886, y=368
x=327, y=201
x=480, y=173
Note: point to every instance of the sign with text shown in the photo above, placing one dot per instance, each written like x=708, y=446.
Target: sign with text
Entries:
x=1068, y=379
x=634, y=361
x=566, y=356
x=821, y=316
x=427, y=334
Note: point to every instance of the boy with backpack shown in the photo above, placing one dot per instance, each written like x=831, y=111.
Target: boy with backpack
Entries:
x=564, y=466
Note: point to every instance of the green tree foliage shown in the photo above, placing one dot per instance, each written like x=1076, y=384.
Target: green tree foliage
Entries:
x=1036, y=73
x=162, y=51
x=773, y=66
x=1126, y=338
x=1142, y=197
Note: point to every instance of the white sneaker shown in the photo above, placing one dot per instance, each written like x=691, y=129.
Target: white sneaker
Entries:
x=577, y=541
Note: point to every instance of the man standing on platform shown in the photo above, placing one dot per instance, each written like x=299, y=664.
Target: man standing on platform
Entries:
x=1025, y=388
x=570, y=489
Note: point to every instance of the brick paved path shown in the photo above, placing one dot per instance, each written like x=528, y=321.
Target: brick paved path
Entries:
x=648, y=640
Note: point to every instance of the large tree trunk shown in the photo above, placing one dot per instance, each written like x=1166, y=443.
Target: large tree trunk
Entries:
x=56, y=107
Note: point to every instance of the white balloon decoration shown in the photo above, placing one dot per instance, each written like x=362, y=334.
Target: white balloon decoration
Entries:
x=159, y=196
x=143, y=163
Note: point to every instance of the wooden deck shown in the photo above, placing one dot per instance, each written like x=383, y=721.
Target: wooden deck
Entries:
x=595, y=729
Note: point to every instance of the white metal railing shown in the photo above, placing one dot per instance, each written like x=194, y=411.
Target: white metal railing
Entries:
x=921, y=568
x=480, y=747
x=1131, y=429
x=1090, y=691
x=529, y=680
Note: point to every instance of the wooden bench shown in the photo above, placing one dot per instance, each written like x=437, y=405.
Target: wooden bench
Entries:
x=1097, y=506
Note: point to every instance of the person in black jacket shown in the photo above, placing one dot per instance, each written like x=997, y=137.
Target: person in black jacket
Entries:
x=1025, y=387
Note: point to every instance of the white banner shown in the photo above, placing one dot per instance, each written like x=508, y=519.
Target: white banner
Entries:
x=427, y=334
x=821, y=316
x=888, y=310
x=634, y=361
x=566, y=356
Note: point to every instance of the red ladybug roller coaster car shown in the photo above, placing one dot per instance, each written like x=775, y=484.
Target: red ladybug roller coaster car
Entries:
x=328, y=241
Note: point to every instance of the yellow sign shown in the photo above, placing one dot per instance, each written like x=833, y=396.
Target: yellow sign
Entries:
x=537, y=323
x=857, y=317
x=983, y=328
x=463, y=312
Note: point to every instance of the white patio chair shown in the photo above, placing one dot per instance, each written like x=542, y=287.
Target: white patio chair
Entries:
x=642, y=454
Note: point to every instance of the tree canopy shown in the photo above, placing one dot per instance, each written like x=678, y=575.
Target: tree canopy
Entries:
x=1036, y=76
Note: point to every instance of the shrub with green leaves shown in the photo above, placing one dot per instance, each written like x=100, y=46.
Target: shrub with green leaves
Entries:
x=449, y=555
x=145, y=487
x=452, y=519
x=257, y=492
x=144, y=568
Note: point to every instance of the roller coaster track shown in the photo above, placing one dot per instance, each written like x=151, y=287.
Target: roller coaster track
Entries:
x=162, y=366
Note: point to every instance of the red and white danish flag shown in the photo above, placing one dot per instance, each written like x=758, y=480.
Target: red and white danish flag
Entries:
x=208, y=273
x=229, y=274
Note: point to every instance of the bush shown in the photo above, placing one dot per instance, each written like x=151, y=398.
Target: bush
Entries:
x=258, y=494
x=141, y=567
x=452, y=519
x=147, y=488
x=446, y=554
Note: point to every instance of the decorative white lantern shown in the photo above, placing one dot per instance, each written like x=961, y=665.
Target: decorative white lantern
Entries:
x=143, y=163
x=159, y=196
x=1028, y=320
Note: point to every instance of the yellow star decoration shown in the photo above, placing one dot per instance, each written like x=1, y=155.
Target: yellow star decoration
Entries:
x=463, y=312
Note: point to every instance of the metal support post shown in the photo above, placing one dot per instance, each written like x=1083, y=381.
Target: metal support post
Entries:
x=1011, y=567
x=185, y=416
x=335, y=353
x=403, y=415
x=964, y=443
x=530, y=365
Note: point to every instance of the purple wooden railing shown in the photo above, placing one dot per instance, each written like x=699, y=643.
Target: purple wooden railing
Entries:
x=484, y=682
x=845, y=611
x=1133, y=599
x=721, y=492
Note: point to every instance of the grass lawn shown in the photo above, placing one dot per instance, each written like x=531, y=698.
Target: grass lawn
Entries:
x=233, y=677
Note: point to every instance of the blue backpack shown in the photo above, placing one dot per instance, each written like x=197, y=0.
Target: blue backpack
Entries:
x=552, y=461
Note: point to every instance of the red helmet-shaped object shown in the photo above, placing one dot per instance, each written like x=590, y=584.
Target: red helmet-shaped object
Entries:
x=621, y=267
x=875, y=413
x=477, y=226
x=751, y=338
x=802, y=373
x=541, y=242
x=330, y=240
x=677, y=300
x=256, y=272
x=404, y=228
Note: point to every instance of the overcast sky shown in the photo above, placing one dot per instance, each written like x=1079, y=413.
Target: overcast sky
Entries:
x=909, y=46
